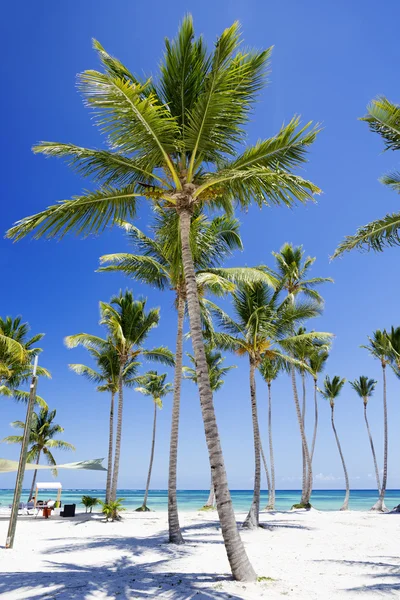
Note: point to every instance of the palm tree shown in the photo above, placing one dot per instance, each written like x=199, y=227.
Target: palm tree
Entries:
x=152, y=384
x=106, y=377
x=17, y=350
x=160, y=264
x=176, y=143
x=128, y=325
x=216, y=374
x=331, y=391
x=261, y=327
x=292, y=271
x=380, y=348
x=365, y=387
x=43, y=430
x=316, y=361
x=270, y=369
x=383, y=117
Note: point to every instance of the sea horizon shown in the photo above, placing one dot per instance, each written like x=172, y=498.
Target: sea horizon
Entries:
x=192, y=500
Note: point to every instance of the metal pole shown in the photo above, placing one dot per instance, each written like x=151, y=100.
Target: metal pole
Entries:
x=22, y=459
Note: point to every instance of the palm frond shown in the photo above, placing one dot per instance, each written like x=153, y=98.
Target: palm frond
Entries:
x=377, y=236
x=383, y=117
x=86, y=214
x=142, y=268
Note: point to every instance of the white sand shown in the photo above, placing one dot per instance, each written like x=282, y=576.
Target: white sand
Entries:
x=309, y=556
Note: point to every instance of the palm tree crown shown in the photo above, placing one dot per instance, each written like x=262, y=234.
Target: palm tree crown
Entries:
x=364, y=387
x=216, y=371
x=164, y=135
x=41, y=438
x=332, y=388
x=152, y=384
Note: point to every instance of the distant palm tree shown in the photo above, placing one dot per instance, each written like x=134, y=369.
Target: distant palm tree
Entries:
x=152, y=384
x=316, y=362
x=262, y=328
x=216, y=374
x=270, y=369
x=43, y=430
x=107, y=377
x=380, y=348
x=292, y=272
x=17, y=350
x=128, y=325
x=159, y=264
x=383, y=117
x=178, y=141
x=365, y=387
x=331, y=391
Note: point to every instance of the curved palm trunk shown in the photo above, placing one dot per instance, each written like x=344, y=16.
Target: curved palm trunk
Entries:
x=346, y=477
x=380, y=504
x=175, y=535
x=153, y=443
x=315, y=419
x=378, y=482
x=252, y=520
x=114, y=484
x=267, y=475
x=271, y=450
x=34, y=477
x=110, y=448
x=303, y=416
x=238, y=560
x=306, y=495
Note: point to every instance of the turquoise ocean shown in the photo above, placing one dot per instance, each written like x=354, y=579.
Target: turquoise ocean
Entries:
x=190, y=500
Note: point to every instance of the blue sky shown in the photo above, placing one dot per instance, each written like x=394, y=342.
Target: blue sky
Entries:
x=329, y=60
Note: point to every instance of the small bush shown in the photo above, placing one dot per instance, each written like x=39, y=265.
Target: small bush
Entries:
x=111, y=510
x=89, y=502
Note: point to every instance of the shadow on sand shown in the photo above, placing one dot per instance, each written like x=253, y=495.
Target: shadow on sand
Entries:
x=380, y=570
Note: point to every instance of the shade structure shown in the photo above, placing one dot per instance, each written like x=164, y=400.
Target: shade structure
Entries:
x=50, y=485
x=8, y=466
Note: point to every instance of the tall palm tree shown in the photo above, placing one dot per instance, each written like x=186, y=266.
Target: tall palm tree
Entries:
x=43, y=430
x=152, y=384
x=383, y=117
x=262, y=328
x=17, y=350
x=106, y=377
x=216, y=373
x=365, y=387
x=292, y=271
x=316, y=361
x=128, y=325
x=159, y=263
x=380, y=347
x=175, y=141
x=270, y=369
x=331, y=391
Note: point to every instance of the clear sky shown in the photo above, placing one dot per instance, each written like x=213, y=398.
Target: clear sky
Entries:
x=330, y=59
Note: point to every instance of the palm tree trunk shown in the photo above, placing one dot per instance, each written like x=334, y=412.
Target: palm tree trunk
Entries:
x=267, y=475
x=110, y=449
x=34, y=478
x=378, y=482
x=252, y=520
x=380, y=504
x=346, y=477
x=271, y=450
x=315, y=419
x=238, y=560
x=211, y=497
x=153, y=442
x=175, y=534
x=303, y=416
x=306, y=495
x=118, y=436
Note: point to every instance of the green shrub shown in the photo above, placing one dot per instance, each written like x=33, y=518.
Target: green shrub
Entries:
x=89, y=502
x=111, y=510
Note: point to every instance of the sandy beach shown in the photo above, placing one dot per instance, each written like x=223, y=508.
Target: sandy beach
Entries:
x=302, y=555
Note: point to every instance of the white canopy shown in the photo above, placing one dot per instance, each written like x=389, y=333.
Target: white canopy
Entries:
x=52, y=485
